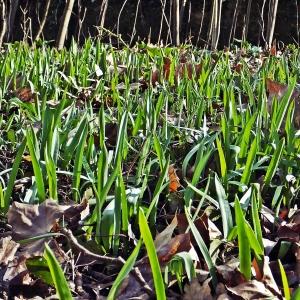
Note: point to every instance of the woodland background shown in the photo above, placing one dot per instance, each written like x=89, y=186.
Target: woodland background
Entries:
x=213, y=23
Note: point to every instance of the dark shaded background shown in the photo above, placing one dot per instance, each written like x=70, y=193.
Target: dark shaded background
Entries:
x=149, y=18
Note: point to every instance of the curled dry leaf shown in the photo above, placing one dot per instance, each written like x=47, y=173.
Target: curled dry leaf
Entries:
x=174, y=180
x=16, y=271
x=167, y=247
x=201, y=224
x=179, y=243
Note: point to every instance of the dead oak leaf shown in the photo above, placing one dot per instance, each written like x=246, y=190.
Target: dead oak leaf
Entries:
x=29, y=221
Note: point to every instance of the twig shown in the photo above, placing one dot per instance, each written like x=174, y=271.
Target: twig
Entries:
x=105, y=259
x=118, y=22
x=110, y=33
x=74, y=243
x=138, y=275
x=43, y=22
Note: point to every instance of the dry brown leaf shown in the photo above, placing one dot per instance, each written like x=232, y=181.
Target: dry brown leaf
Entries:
x=276, y=89
x=196, y=291
x=268, y=277
x=179, y=243
x=29, y=221
x=174, y=180
x=165, y=236
x=230, y=276
x=201, y=224
x=8, y=250
x=25, y=94
x=251, y=290
x=289, y=232
x=16, y=270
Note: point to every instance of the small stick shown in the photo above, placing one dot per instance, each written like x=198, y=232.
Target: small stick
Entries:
x=105, y=259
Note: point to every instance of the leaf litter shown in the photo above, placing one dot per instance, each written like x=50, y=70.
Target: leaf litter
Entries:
x=91, y=270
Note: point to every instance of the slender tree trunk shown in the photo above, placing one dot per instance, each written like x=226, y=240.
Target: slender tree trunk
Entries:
x=201, y=22
x=247, y=19
x=44, y=19
x=3, y=21
x=215, y=24
x=234, y=20
x=271, y=21
x=14, y=4
x=297, y=25
x=102, y=15
x=64, y=24
x=176, y=22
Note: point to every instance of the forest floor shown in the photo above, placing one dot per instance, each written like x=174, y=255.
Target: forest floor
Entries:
x=149, y=172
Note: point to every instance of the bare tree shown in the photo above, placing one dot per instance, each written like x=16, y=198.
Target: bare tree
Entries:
x=64, y=24
x=43, y=22
x=3, y=21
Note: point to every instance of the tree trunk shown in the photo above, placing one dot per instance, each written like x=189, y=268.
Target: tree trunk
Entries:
x=271, y=21
x=64, y=24
x=14, y=4
x=176, y=23
x=2, y=21
x=43, y=22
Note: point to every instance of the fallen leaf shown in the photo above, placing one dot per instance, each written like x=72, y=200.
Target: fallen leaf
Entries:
x=230, y=276
x=8, y=250
x=16, y=271
x=201, y=224
x=25, y=94
x=196, y=291
x=273, y=50
x=276, y=89
x=179, y=243
x=268, y=277
x=252, y=289
x=174, y=180
x=29, y=221
x=165, y=236
x=289, y=232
